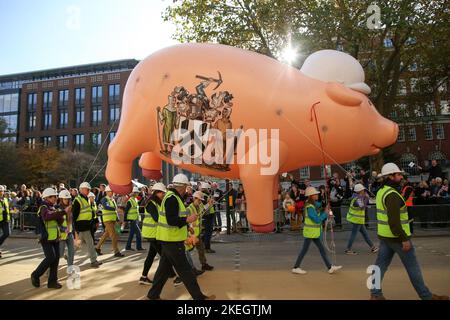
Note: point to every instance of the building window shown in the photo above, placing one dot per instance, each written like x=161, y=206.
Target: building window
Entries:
x=79, y=142
x=96, y=139
x=9, y=102
x=31, y=143
x=437, y=155
x=31, y=111
x=388, y=43
x=114, y=93
x=412, y=134
x=428, y=130
x=440, y=134
x=401, y=134
x=405, y=161
x=79, y=117
x=96, y=115
x=114, y=112
x=62, y=142
x=401, y=87
x=430, y=109
x=47, y=111
x=112, y=135
x=11, y=123
x=96, y=95
x=445, y=108
x=63, y=112
x=304, y=173
x=46, y=141
x=80, y=94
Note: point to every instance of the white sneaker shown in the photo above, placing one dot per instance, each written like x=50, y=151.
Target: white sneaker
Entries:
x=333, y=269
x=298, y=271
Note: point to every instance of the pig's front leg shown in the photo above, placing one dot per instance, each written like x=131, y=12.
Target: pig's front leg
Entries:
x=151, y=166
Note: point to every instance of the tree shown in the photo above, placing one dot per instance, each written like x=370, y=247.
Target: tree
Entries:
x=386, y=53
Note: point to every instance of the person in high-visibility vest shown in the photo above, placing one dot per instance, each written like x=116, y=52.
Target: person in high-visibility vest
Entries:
x=172, y=231
x=4, y=216
x=312, y=231
x=197, y=208
x=132, y=216
x=67, y=238
x=109, y=219
x=94, y=222
x=150, y=208
x=208, y=217
x=82, y=217
x=395, y=235
x=356, y=215
x=50, y=221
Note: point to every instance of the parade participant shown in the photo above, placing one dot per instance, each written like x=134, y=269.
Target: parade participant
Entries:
x=408, y=195
x=82, y=217
x=394, y=234
x=4, y=216
x=312, y=231
x=132, y=216
x=109, y=219
x=67, y=238
x=94, y=222
x=50, y=220
x=357, y=217
x=150, y=207
x=208, y=217
x=197, y=208
x=172, y=232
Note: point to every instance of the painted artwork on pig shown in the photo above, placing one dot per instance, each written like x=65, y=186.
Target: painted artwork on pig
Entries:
x=262, y=105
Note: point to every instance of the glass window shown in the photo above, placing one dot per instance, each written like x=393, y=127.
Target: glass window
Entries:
x=63, y=98
x=440, y=134
x=2, y=98
x=31, y=143
x=114, y=112
x=96, y=139
x=80, y=94
x=79, y=120
x=14, y=102
x=63, y=119
x=388, y=43
x=46, y=141
x=96, y=115
x=445, y=108
x=401, y=87
x=79, y=142
x=412, y=134
x=428, y=131
x=62, y=142
x=48, y=98
x=112, y=135
x=114, y=92
x=47, y=120
x=304, y=173
x=97, y=95
x=401, y=134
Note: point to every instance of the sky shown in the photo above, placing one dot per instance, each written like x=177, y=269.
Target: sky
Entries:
x=45, y=34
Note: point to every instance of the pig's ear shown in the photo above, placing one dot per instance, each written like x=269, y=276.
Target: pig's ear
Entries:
x=343, y=95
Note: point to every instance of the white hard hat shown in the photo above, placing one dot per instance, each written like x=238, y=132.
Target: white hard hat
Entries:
x=91, y=194
x=85, y=185
x=336, y=66
x=159, y=187
x=359, y=187
x=390, y=168
x=135, y=190
x=64, y=194
x=205, y=185
x=49, y=192
x=108, y=188
x=198, y=195
x=311, y=191
x=181, y=179
x=2, y=188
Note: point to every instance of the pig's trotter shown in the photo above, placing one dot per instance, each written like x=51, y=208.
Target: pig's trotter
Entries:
x=151, y=166
x=121, y=189
x=152, y=174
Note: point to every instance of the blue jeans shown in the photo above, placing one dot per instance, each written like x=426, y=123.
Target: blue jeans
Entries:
x=208, y=223
x=134, y=229
x=319, y=245
x=361, y=228
x=409, y=260
x=70, y=249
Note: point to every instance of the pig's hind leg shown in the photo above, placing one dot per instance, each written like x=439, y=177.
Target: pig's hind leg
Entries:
x=150, y=163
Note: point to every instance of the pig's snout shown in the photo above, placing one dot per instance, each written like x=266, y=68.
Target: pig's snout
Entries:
x=386, y=134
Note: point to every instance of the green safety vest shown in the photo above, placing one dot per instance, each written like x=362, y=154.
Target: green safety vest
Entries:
x=193, y=210
x=310, y=228
x=165, y=232
x=63, y=235
x=94, y=210
x=149, y=224
x=109, y=215
x=50, y=226
x=355, y=214
x=4, y=203
x=384, y=230
x=85, y=209
x=133, y=212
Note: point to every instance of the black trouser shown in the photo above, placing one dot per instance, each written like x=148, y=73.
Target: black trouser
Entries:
x=51, y=260
x=174, y=254
x=4, y=225
x=208, y=223
x=155, y=248
x=336, y=208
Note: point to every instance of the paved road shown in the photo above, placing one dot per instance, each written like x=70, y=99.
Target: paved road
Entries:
x=246, y=267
